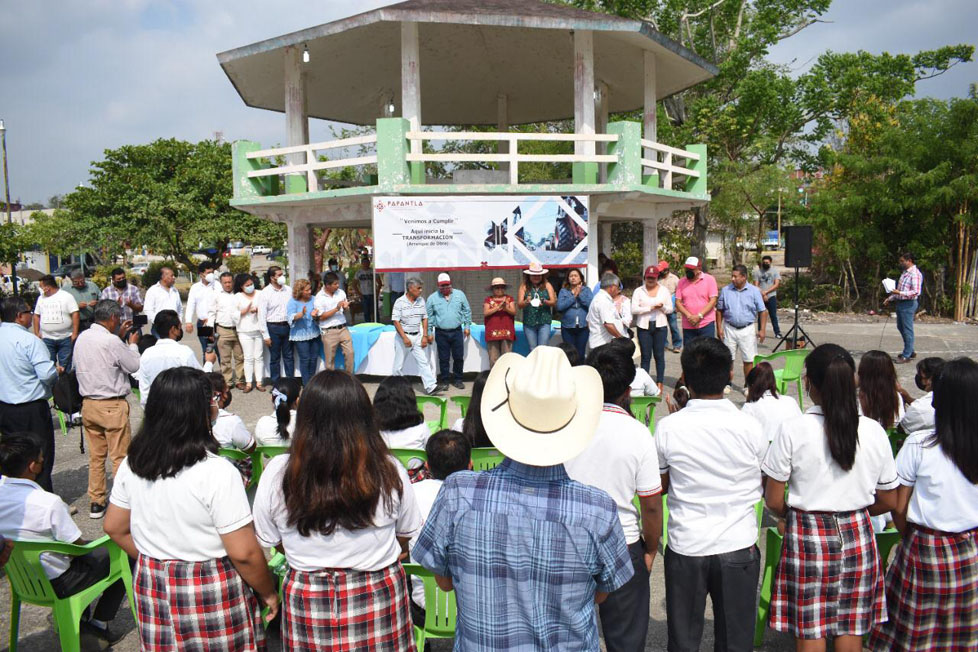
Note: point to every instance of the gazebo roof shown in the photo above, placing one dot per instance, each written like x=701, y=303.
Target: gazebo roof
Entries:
x=471, y=51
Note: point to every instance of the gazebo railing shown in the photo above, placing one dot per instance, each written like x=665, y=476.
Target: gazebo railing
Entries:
x=294, y=156
x=665, y=167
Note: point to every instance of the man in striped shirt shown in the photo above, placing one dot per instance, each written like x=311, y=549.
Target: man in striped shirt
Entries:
x=905, y=297
x=410, y=317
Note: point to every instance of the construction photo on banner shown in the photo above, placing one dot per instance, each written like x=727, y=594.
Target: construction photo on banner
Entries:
x=416, y=233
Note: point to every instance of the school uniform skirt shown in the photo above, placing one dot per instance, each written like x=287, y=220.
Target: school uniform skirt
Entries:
x=347, y=610
x=829, y=580
x=182, y=605
x=931, y=593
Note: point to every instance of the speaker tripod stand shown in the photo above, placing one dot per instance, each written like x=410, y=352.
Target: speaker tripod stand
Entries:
x=795, y=327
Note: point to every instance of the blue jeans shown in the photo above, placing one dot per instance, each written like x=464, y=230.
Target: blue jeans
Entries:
x=690, y=334
x=60, y=351
x=905, y=310
x=280, y=351
x=451, y=346
x=308, y=351
x=772, y=313
x=576, y=336
x=368, y=307
x=652, y=341
x=537, y=335
x=677, y=335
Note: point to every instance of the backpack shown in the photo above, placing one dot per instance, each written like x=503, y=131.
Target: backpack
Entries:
x=67, y=396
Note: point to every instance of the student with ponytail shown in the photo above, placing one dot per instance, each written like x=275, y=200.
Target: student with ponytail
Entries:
x=839, y=470
x=276, y=429
x=932, y=584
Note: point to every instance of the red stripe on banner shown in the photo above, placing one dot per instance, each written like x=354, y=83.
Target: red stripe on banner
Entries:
x=469, y=269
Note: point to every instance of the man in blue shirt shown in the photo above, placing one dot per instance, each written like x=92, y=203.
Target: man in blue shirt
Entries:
x=739, y=306
x=528, y=551
x=27, y=375
x=449, y=318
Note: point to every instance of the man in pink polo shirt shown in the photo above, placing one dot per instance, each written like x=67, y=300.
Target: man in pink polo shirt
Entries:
x=696, y=299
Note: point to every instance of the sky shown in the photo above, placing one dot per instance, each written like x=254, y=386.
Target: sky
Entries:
x=77, y=78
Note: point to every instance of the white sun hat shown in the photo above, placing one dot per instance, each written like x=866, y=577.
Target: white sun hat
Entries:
x=539, y=410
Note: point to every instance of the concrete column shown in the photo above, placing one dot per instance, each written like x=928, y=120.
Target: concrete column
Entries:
x=605, y=240
x=649, y=124
x=593, y=248
x=300, y=250
x=584, y=88
x=601, y=126
x=296, y=122
x=502, y=125
x=411, y=89
x=650, y=241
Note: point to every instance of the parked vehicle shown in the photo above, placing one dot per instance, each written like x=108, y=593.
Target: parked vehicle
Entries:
x=771, y=240
x=261, y=249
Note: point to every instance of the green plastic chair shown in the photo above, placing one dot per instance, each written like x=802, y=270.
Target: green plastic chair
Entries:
x=259, y=457
x=462, y=402
x=236, y=455
x=29, y=584
x=441, y=403
x=405, y=455
x=440, y=613
x=643, y=409
x=486, y=459
x=794, y=363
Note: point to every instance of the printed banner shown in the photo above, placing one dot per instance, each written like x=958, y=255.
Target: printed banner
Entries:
x=413, y=233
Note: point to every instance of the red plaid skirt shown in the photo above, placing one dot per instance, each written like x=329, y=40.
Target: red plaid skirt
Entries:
x=931, y=593
x=205, y=605
x=347, y=610
x=829, y=580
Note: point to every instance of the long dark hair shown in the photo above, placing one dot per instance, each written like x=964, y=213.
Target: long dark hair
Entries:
x=830, y=371
x=759, y=380
x=395, y=406
x=176, y=429
x=339, y=468
x=472, y=427
x=291, y=388
x=567, y=277
x=239, y=282
x=956, y=413
x=878, y=388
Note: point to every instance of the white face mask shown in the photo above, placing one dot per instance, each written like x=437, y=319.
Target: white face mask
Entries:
x=248, y=289
x=210, y=277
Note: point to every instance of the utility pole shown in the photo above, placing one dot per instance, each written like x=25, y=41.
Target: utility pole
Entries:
x=6, y=190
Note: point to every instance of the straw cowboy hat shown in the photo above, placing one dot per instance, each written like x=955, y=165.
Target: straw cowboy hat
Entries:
x=497, y=281
x=539, y=410
x=535, y=269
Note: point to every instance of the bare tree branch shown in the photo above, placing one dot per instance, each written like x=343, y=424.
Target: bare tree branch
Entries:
x=801, y=26
x=740, y=20
x=687, y=15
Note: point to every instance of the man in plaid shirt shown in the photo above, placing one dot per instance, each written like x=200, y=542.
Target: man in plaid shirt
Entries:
x=905, y=297
x=124, y=293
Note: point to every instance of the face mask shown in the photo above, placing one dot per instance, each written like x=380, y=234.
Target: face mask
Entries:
x=226, y=399
x=690, y=274
x=180, y=336
x=333, y=268
x=765, y=266
x=277, y=280
x=121, y=284
x=210, y=277
x=249, y=289
x=918, y=380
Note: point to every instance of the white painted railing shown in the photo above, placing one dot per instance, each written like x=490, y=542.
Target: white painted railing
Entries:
x=312, y=164
x=512, y=155
x=666, y=167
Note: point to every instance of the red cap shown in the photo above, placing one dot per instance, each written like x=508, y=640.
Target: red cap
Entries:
x=651, y=271
x=663, y=264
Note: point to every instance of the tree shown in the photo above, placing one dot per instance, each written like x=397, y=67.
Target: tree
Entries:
x=169, y=195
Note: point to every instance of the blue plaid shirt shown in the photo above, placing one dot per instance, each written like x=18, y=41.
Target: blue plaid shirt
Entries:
x=526, y=548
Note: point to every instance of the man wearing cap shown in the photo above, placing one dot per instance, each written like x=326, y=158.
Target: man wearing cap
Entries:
x=528, y=551
x=671, y=282
x=410, y=319
x=696, y=300
x=622, y=461
x=739, y=308
x=604, y=318
x=449, y=318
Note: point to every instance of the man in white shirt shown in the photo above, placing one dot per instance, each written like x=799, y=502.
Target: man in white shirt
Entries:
x=272, y=318
x=162, y=296
x=330, y=303
x=604, y=320
x=56, y=321
x=199, y=302
x=167, y=353
x=621, y=460
x=710, y=458
x=225, y=317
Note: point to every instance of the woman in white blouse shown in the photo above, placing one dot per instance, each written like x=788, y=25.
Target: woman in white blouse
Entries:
x=249, y=332
x=181, y=511
x=342, y=515
x=401, y=424
x=650, y=305
x=879, y=391
x=765, y=404
x=276, y=429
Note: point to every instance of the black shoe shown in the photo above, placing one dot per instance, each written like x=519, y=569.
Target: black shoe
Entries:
x=458, y=384
x=436, y=391
x=96, y=511
x=442, y=387
x=913, y=355
x=103, y=633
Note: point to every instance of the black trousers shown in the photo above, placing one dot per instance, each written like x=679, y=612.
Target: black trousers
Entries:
x=730, y=579
x=625, y=613
x=85, y=571
x=32, y=417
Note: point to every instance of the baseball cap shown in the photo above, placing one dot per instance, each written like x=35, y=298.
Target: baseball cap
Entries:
x=651, y=271
x=444, y=279
x=692, y=263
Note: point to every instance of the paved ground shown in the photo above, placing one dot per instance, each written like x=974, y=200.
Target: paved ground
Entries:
x=947, y=340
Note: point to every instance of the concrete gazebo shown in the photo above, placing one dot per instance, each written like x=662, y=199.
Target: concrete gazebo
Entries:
x=466, y=62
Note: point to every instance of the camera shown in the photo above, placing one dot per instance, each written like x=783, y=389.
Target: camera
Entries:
x=138, y=321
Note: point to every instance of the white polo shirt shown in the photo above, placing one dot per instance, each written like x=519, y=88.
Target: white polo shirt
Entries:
x=642, y=384
x=712, y=453
x=620, y=460
x=266, y=430
x=184, y=516
x=415, y=437
x=772, y=411
x=368, y=549
x=230, y=431
x=28, y=513
x=800, y=456
x=942, y=499
x=602, y=311
x=163, y=355
x=425, y=493
x=325, y=303
x=919, y=415
x=54, y=314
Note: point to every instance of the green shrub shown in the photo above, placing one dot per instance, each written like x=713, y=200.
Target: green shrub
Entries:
x=103, y=275
x=152, y=275
x=238, y=264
